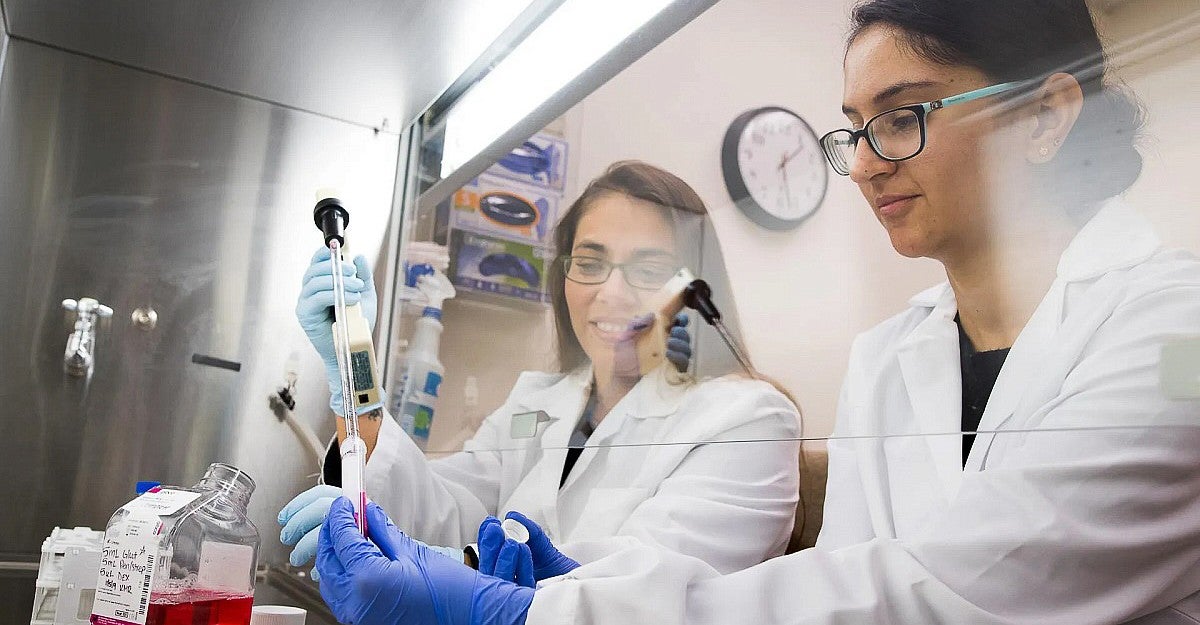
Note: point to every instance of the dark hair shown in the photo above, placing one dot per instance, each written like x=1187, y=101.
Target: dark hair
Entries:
x=634, y=179
x=1013, y=40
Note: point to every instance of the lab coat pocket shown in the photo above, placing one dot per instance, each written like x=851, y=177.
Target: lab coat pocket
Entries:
x=606, y=511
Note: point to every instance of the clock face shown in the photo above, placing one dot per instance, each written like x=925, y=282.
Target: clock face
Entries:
x=774, y=167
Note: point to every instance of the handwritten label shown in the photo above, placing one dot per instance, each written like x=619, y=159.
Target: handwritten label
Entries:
x=127, y=563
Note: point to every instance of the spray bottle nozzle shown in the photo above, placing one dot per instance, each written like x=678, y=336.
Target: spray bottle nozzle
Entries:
x=698, y=296
x=413, y=273
x=436, y=288
x=332, y=218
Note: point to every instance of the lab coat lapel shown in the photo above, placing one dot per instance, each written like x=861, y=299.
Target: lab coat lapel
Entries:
x=652, y=397
x=929, y=363
x=1116, y=237
x=563, y=402
x=1025, y=363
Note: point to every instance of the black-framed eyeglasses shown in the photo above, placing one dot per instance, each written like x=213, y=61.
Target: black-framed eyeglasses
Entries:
x=898, y=134
x=649, y=275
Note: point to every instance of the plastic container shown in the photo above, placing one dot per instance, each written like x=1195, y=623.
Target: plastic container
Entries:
x=66, y=578
x=181, y=555
x=424, y=377
x=277, y=615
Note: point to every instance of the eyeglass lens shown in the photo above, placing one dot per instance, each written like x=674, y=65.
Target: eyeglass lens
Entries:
x=642, y=275
x=895, y=136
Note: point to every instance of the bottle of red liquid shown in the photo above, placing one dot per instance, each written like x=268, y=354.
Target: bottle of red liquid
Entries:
x=181, y=556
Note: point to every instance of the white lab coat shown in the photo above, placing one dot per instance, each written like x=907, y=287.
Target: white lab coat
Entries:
x=1048, y=527
x=646, y=475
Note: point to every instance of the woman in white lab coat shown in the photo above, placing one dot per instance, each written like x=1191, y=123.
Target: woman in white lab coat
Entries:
x=1079, y=503
x=633, y=483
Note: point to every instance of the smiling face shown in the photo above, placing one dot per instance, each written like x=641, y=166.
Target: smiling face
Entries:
x=937, y=204
x=618, y=229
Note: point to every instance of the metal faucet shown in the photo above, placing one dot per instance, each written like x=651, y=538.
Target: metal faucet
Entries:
x=80, y=355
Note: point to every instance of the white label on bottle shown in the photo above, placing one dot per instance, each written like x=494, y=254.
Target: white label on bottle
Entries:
x=162, y=501
x=127, y=570
x=224, y=566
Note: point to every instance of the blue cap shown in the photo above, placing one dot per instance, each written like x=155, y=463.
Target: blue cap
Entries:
x=145, y=486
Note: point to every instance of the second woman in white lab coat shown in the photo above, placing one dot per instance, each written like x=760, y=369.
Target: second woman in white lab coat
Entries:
x=983, y=136
x=646, y=475
x=1084, y=507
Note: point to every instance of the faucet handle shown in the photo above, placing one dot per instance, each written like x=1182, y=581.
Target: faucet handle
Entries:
x=70, y=305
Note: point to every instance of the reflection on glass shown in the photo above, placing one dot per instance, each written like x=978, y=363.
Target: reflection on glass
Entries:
x=1029, y=427
x=611, y=449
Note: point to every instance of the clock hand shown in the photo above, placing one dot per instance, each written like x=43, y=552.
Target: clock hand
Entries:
x=789, y=157
x=787, y=185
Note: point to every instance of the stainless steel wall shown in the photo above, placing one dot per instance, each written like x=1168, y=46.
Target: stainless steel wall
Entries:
x=365, y=61
x=140, y=191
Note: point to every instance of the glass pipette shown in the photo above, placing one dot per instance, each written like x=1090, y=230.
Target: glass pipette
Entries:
x=353, y=448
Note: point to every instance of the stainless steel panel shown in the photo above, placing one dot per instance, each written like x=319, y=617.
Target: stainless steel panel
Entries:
x=139, y=191
x=363, y=61
x=3, y=41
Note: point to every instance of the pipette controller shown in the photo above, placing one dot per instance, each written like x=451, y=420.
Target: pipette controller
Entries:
x=355, y=355
x=698, y=296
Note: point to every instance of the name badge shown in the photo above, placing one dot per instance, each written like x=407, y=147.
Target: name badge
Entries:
x=525, y=424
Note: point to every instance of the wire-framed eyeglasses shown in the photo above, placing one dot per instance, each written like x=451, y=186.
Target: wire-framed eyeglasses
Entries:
x=898, y=134
x=640, y=274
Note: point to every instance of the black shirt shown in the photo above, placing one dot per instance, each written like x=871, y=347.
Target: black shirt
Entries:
x=979, y=373
x=583, y=430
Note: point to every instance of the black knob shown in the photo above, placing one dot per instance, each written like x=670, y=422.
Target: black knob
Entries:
x=698, y=296
x=332, y=218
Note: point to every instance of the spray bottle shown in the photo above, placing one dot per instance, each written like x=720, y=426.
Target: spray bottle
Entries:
x=425, y=370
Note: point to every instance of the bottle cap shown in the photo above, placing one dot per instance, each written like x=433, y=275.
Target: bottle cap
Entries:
x=277, y=615
x=515, y=530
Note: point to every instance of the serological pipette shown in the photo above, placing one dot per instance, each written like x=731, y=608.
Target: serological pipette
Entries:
x=332, y=218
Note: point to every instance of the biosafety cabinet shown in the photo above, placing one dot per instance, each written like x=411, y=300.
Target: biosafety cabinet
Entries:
x=157, y=169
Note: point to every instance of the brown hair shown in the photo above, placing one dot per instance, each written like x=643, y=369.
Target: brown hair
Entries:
x=634, y=179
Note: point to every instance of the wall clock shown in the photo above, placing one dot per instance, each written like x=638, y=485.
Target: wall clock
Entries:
x=773, y=167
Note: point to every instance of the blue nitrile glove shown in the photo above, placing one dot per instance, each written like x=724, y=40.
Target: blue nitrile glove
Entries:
x=301, y=519
x=548, y=561
x=397, y=580
x=679, y=343
x=502, y=556
x=314, y=310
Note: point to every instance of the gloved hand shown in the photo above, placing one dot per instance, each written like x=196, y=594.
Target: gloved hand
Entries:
x=679, y=343
x=502, y=556
x=678, y=352
x=314, y=310
x=548, y=561
x=301, y=519
x=396, y=580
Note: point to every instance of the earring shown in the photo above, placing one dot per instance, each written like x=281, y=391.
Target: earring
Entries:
x=1044, y=151
x=1058, y=141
